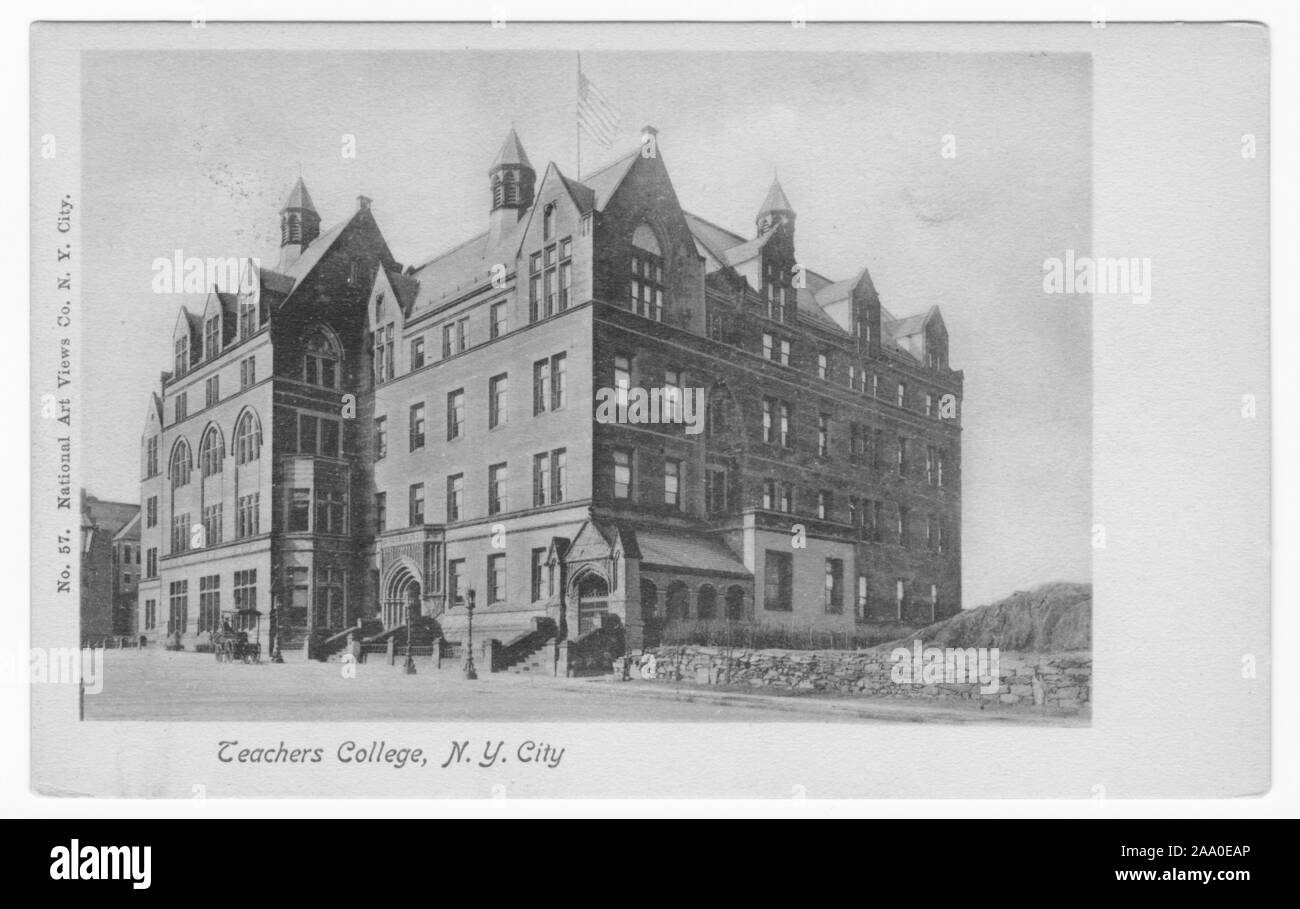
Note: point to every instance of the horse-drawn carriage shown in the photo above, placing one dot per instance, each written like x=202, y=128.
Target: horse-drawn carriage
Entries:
x=230, y=642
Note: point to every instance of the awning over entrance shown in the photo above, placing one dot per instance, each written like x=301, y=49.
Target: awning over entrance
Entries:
x=687, y=551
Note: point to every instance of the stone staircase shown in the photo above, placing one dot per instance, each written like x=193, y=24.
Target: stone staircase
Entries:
x=539, y=659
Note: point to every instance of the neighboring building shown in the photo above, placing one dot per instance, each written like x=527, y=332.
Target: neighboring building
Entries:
x=127, y=568
x=399, y=435
x=103, y=590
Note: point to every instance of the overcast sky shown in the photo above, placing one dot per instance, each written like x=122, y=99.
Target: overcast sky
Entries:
x=196, y=151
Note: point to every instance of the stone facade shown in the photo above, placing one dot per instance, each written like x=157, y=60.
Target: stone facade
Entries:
x=1058, y=681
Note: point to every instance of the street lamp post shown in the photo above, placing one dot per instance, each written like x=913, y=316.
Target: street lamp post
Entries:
x=470, y=672
x=409, y=665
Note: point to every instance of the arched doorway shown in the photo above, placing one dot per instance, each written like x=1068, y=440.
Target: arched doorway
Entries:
x=706, y=602
x=677, y=604
x=593, y=602
x=401, y=600
x=735, y=603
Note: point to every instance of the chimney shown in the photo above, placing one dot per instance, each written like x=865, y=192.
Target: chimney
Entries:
x=363, y=203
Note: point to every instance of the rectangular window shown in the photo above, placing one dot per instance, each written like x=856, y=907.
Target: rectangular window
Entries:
x=566, y=284
x=448, y=334
x=330, y=586
x=541, y=479
x=938, y=469
x=212, y=338
x=331, y=515
x=823, y=435
x=559, y=475
x=904, y=526
x=211, y=524
x=672, y=395
x=498, y=496
x=416, y=505
x=929, y=404
x=902, y=394
x=182, y=362
x=900, y=597
x=834, y=592
x=381, y=512
x=455, y=414
x=786, y=437
x=299, y=510
x=180, y=533
x=308, y=433
x=534, y=286
x=381, y=438
x=246, y=515
x=497, y=388
x=768, y=346
x=902, y=456
x=417, y=426
x=929, y=464
x=622, y=379
x=787, y=498
x=778, y=581
x=455, y=497
x=647, y=285
x=456, y=582
x=244, y=591
x=785, y=353
x=384, y=366
x=462, y=335
x=541, y=385
x=497, y=319
x=823, y=367
x=559, y=373
x=875, y=386
x=247, y=372
x=824, y=505
x=537, y=574
x=209, y=602
x=931, y=537
x=769, y=409
x=715, y=327
x=417, y=352
x=150, y=615
x=862, y=604
x=151, y=562
x=151, y=457
x=212, y=390
x=769, y=495
x=496, y=577
x=672, y=483
x=715, y=490
x=182, y=406
x=877, y=442
x=622, y=473
x=151, y=512
x=178, y=607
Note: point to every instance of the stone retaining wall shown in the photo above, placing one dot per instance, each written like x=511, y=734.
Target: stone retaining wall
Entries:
x=1060, y=681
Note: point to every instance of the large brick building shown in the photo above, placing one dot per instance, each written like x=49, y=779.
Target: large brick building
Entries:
x=363, y=439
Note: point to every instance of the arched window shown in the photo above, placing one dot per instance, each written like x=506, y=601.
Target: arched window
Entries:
x=212, y=452
x=548, y=222
x=320, y=359
x=677, y=604
x=647, y=274
x=248, y=438
x=707, y=602
x=181, y=465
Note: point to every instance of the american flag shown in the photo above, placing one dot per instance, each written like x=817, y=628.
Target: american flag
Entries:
x=595, y=115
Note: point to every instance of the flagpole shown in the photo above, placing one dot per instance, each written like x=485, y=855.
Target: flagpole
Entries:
x=577, y=119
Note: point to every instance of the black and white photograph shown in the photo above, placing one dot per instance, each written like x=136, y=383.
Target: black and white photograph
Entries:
x=538, y=410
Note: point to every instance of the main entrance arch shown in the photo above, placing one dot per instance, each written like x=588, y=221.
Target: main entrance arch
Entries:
x=401, y=601
x=593, y=601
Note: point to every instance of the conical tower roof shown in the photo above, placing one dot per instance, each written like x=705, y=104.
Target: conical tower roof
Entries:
x=512, y=153
x=299, y=197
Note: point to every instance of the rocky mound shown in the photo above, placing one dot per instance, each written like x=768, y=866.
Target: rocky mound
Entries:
x=1050, y=618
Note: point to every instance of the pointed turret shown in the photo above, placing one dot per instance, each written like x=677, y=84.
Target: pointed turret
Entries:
x=299, y=224
x=776, y=210
x=512, y=179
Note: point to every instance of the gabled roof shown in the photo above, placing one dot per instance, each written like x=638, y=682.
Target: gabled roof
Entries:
x=299, y=197
x=688, y=549
x=108, y=516
x=606, y=181
x=463, y=267
x=715, y=240
x=130, y=530
x=404, y=287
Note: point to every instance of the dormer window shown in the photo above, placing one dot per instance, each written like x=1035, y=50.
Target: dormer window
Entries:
x=182, y=356
x=647, y=275
x=212, y=337
x=247, y=318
